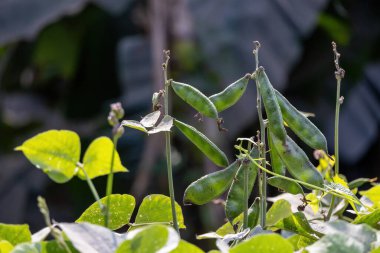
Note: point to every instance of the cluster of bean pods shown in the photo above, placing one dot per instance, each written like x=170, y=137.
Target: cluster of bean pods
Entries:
x=285, y=154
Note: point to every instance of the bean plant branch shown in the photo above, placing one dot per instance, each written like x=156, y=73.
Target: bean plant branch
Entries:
x=167, y=141
x=110, y=180
x=262, y=176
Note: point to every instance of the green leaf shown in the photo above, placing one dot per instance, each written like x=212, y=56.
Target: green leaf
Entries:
x=43, y=247
x=134, y=124
x=371, y=219
x=373, y=194
x=265, y=243
x=157, y=208
x=336, y=243
x=5, y=246
x=299, y=241
x=122, y=206
x=98, y=157
x=15, y=234
x=298, y=223
x=278, y=211
x=151, y=119
x=56, y=152
x=286, y=185
x=186, y=247
x=164, y=126
x=155, y=238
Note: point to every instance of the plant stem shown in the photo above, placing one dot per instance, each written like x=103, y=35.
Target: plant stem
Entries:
x=263, y=185
x=332, y=203
x=336, y=134
x=92, y=187
x=110, y=182
x=245, y=195
x=167, y=144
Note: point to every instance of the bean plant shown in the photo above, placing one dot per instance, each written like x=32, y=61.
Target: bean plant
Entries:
x=317, y=211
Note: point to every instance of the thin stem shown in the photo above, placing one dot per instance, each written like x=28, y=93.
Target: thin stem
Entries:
x=332, y=203
x=167, y=144
x=263, y=185
x=245, y=195
x=92, y=187
x=336, y=134
x=110, y=181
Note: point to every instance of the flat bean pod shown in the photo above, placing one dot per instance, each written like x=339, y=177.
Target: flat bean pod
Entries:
x=203, y=143
x=272, y=108
x=195, y=99
x=235, y=202
x=297, y=162
x=230, y=95
x=285, y=185
x=301, y=125
x=210, y=186
x=277, y=164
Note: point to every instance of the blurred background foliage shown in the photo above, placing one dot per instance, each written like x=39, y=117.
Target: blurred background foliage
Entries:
x=63, y=62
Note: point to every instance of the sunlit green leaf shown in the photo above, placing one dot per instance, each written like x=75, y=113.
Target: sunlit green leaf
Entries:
x=43, y=247
x=336, y=243
x=5, y=246
x=15, y=234
x=151, y=119
x=122, y=206
x=98, y=157
x=157, y=208
x=134, y=124
x=186, y=247
x=372, y=219
x=56, y=152
x=298, y=223
x=155, y=238
x=265, y=243
x=373, y=194
x=299, y=241
x=279, y=210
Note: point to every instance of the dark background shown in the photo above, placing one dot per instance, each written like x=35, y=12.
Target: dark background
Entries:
x=63, y=62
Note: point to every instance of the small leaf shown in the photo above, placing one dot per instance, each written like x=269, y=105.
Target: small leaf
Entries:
x=90, y=238
x=151, y=119
x=360, y=181
x=134, y=124
x=164, y=126
x=279, y=210
x=186, y=247
x=372, y=219
x=122, y=206
x=154, y=238
x=313, y=202
x=157, y=208
x=265, y=243
x=43, y=247
x=5, y=246
x=15, y=234
x=98, y=157
x=286, y=185
x=299, y=241
x=56, y=152
x=373, y=194
x=298, y=223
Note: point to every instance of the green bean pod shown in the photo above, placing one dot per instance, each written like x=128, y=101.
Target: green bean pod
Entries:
x=301, y=125
x=277, y=164
x=210, y=186
x=235, y=202
x=297, y=162
x=195, y=99
x=254, y=213
x=203, y=143
x=230, y=95
x=271, y=106
x=285, y=185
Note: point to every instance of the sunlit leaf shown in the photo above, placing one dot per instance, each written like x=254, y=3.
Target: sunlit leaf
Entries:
x=279, y=210
x=56, y=152
x=134, y=124
x=313, y=201
x=157, y=208
x=373, y=194
x=265, y=243
x=299, y=241
x=120, y=212
x=43, y=247
x=186, y=247
x=372, y=219
x=98, y=157
x=15, y=234
x=336, y=243
x=297, y=223
x=5, y=246
x=151, y=119
x=154, y=238
x=164, y=126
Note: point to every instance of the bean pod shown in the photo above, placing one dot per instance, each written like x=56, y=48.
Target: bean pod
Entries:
x=195, y=99
x=235, y=202
x=301, y=125
x=285, y=185
x=210, y=186
x=230, y=95
x=203, y=143
x=272, y=108
x=297, y=162
x=277, y=164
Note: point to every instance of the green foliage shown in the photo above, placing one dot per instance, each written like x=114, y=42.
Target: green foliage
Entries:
x=271, y=243
x=120, y=211
x=279, y=210
x=15, y=234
